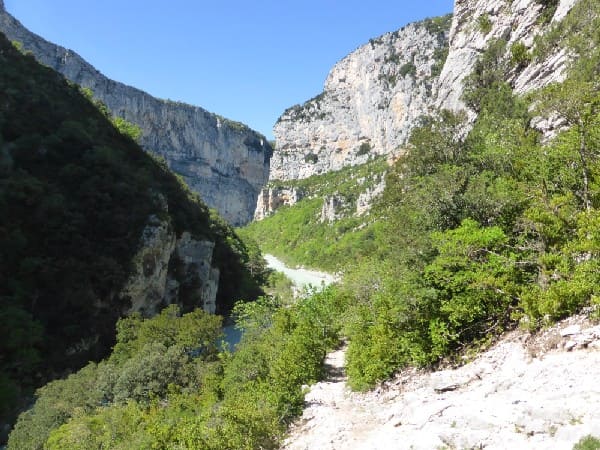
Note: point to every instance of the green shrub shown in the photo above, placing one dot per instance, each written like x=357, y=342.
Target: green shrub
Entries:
x=588, y=442
x=408, y=69
x=390, y=80
x=484, y=23
x=548, y=9
x=520, y=55
x=311, y=158
x=364, y=149
x=488, y=75
x=437, y=25
x=18, y=45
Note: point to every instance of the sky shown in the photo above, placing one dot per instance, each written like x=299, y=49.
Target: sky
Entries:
x=245, y=60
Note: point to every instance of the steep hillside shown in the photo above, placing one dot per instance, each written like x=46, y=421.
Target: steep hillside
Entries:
x=91, y=228
x=223, y=161
x=519, y=24
x=322, y=221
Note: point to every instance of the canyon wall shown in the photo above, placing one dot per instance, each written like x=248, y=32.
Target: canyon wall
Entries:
x=225, y=162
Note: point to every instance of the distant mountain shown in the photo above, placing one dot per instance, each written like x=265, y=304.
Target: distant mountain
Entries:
x=225, y=162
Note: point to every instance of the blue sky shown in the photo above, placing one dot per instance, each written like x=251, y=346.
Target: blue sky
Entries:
x=245, y=60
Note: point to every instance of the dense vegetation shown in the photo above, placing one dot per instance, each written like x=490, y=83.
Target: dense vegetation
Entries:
x=167, y=385
x=474, y=234
x=75, y=194
x=300, y=235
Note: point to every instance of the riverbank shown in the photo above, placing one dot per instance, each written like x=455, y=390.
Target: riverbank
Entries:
x=301, y=278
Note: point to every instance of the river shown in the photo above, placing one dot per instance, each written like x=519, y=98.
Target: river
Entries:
x=301, y=278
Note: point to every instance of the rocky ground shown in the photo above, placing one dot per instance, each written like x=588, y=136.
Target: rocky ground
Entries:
x=526, y=392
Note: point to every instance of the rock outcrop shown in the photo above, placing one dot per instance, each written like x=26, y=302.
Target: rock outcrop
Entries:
x=371, y=100
x=365, y=199
x=198, y=275
x=146, y=287
x=225, y=162
x=476, y=23
x=333, y=206
x=272, y=198
x=168, y=270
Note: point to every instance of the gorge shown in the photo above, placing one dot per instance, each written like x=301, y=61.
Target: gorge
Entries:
x=448, y=174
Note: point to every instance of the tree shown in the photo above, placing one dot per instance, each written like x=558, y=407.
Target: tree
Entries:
x=577, y=102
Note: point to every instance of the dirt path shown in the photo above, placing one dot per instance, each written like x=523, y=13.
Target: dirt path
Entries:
x=524, y=393
x=334, y=417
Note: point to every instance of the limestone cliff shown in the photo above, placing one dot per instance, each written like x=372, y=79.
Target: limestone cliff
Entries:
x=272, y=198
x=477, y=22
x=225, y=162
x=373, y=98
x=145, y=289
x=370, y=102
x=170, y=269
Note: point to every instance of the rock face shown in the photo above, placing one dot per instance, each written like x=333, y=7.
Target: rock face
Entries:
x=224, y=161
x=373, y=98
x=145, y=288
x=332, y=208
x=476, y=23
x=198, y=274
x=371, y=101
x=272, y=198
x=365, y=199
x=167, y=270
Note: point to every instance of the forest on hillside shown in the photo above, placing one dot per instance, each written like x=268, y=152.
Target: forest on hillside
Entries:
x=76, y=191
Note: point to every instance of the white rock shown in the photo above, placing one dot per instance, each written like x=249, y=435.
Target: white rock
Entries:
x=361, y=105
x=545, y=403
x=570, y=330
x=371, y=101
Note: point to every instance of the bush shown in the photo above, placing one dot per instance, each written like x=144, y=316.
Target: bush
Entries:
x=484, y=23
x=364, y=149
x=408, y=69
x=548, y=9
x=437, y=25
x=520, y=55
x=587, y=443
x=311, y=158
